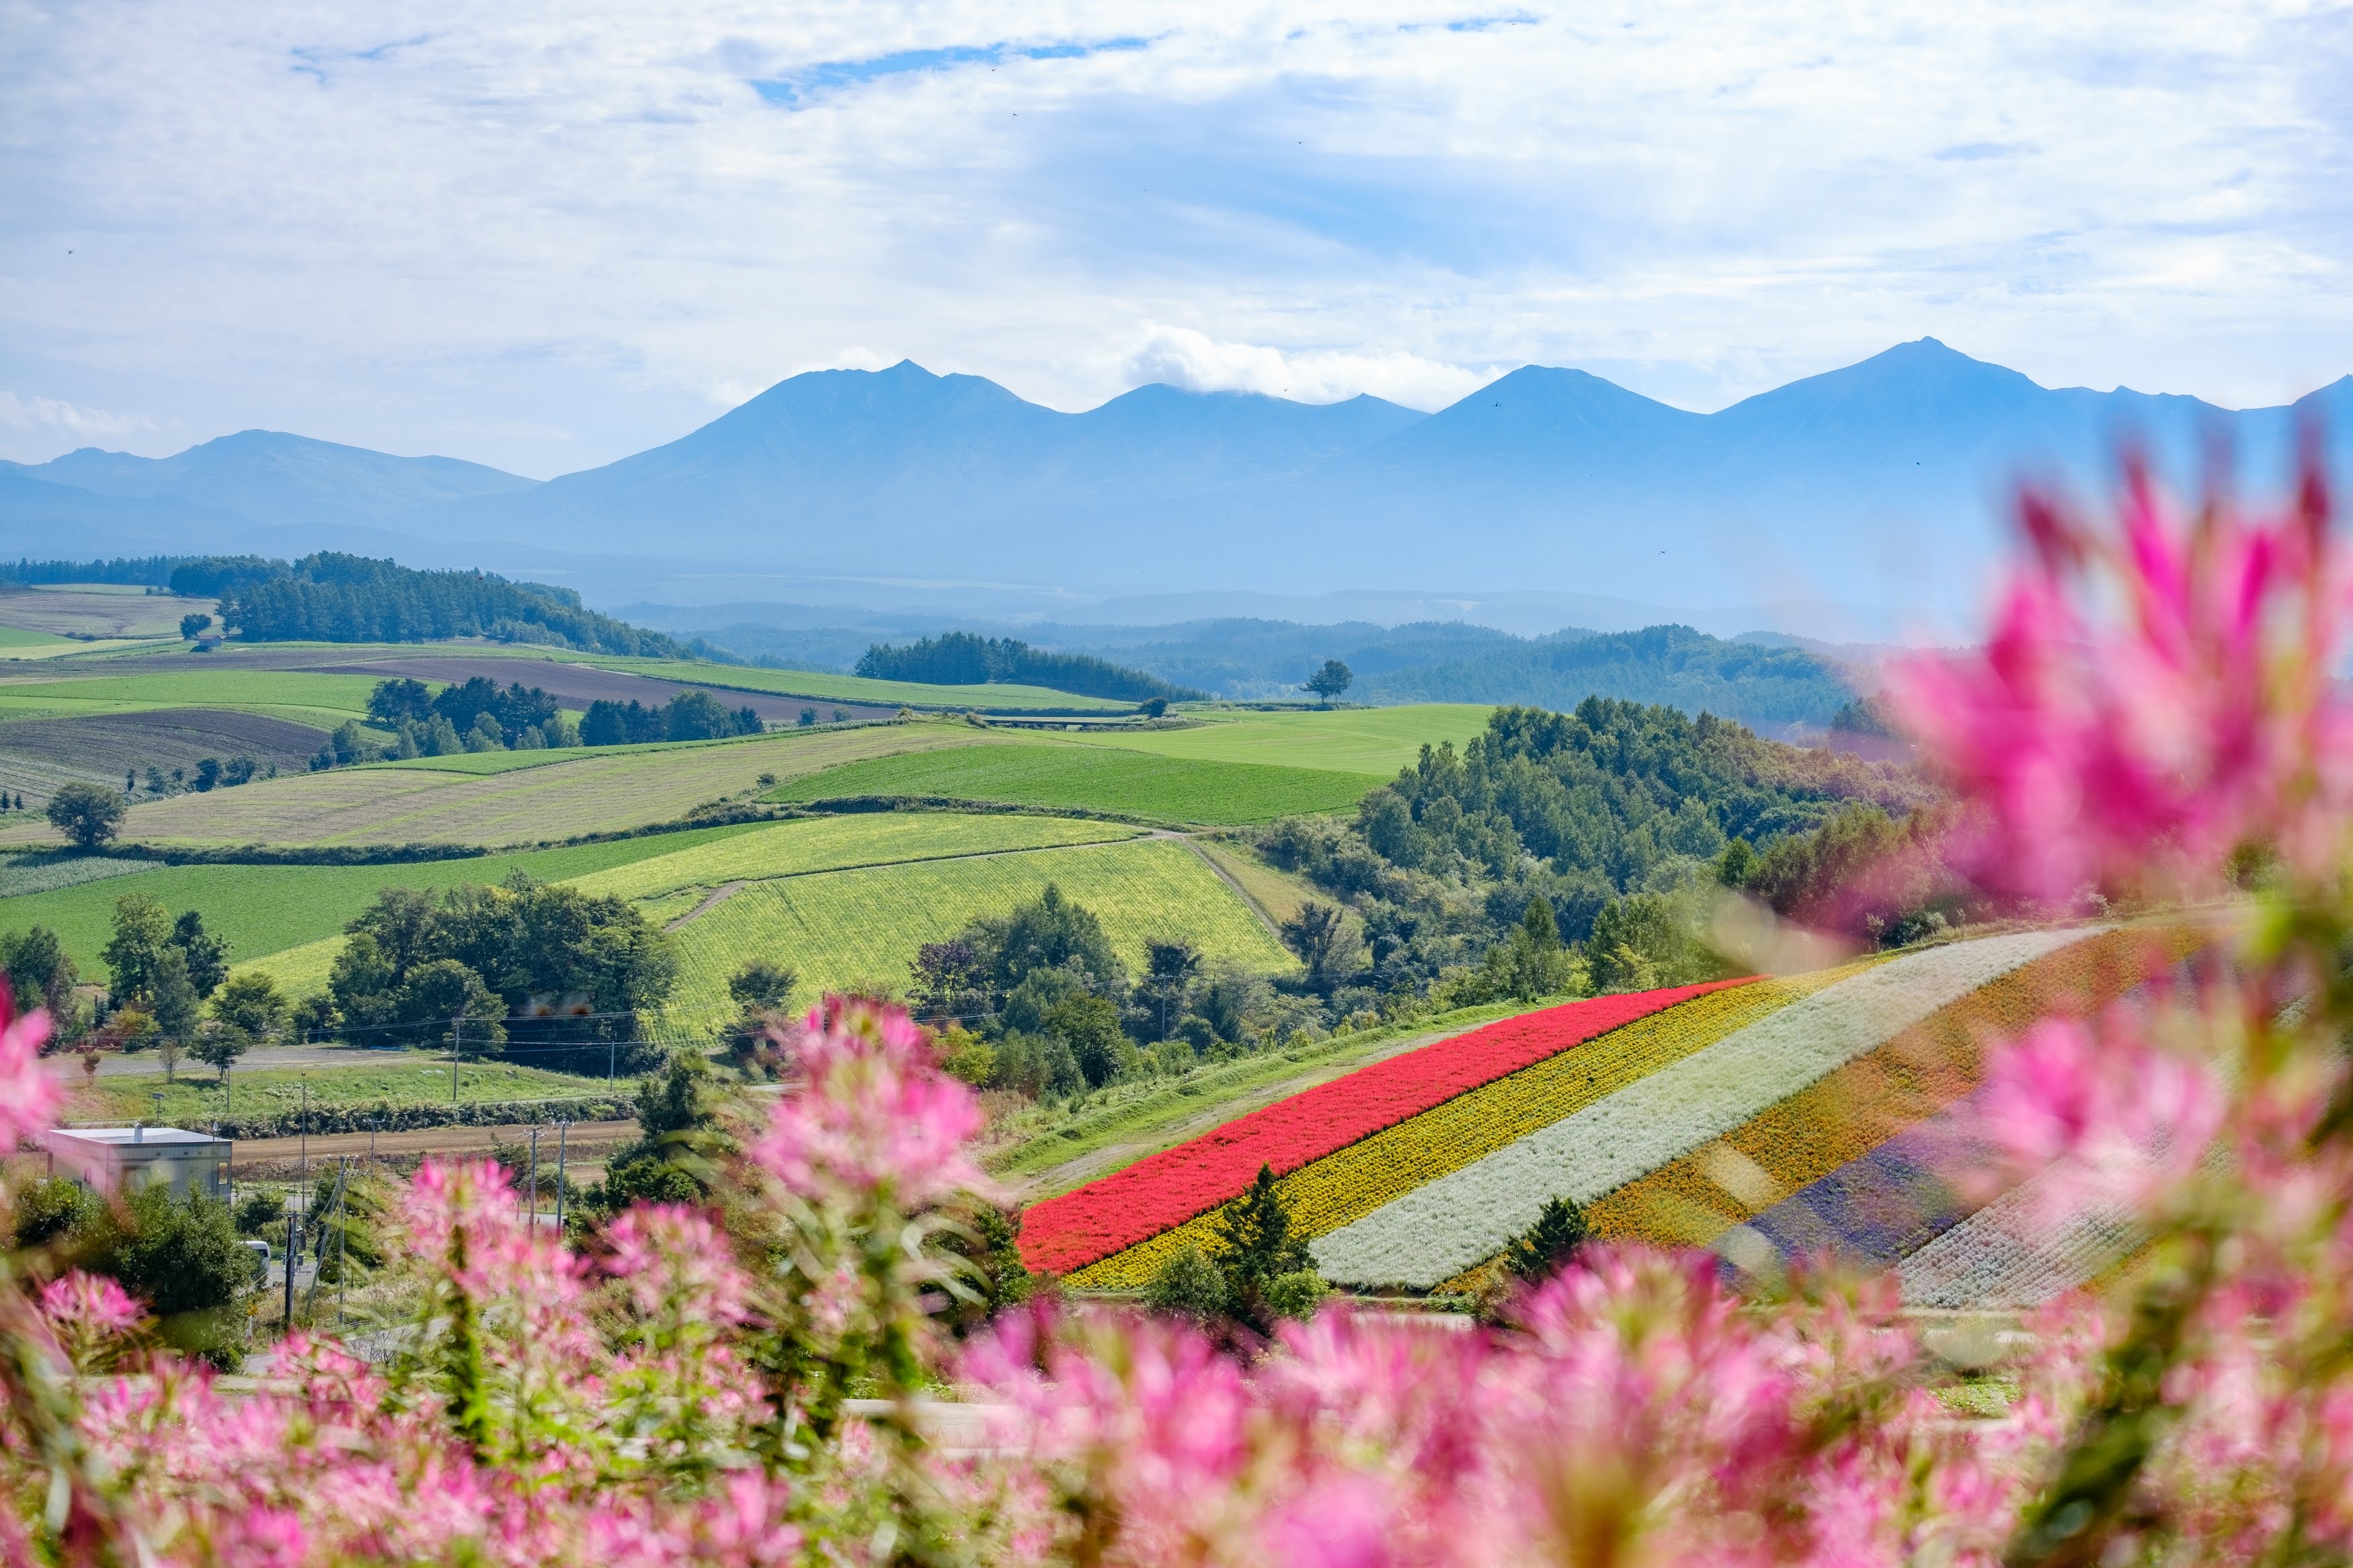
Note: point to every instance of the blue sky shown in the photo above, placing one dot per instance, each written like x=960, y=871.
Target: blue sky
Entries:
x=543, y=235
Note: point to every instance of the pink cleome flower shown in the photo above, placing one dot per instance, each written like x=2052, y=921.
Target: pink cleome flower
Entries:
x=873, y=1113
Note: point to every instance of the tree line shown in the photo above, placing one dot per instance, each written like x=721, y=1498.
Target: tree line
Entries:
x=1562, y=852
x=963, y=658
x=336, y=597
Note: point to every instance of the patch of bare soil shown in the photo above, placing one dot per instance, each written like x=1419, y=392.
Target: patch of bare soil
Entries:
x=39, y=754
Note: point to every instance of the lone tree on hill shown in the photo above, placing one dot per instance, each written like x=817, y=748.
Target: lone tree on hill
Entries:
x=1559, y=1231
x=88, y=814
x=1331, y=680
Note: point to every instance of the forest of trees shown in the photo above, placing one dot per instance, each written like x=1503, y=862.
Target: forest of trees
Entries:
x=1666, y=664
x=961, y=659
x=524, y=962
x=1621, y=821
x=145, y=570
x=333, y=597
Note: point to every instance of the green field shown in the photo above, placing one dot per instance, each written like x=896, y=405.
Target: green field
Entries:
x=588, y=791
x=842, y=928
x=1372, y=741
x=1057, y=774
x=322, y=700
x=12, y=639
x=856, y=688
x=840, y=843
x=266, y=909
x=401, y=1079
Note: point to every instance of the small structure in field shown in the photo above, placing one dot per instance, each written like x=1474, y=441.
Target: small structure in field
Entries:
x=126, y=1158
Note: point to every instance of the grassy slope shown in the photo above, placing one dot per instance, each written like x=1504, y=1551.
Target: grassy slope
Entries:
x=14, y=637
x=398, y=1079
x=1116, y=1127
x=268, y=909
x=856, y=688
x=286, y=692
x=587, y=792
x=863, y=926
x=838, y=843
x=1376, y=742
x=1279, y=893
x=1055, y=773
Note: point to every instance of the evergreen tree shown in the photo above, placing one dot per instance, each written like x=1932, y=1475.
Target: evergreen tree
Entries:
x=1251, y=1244
x=1559, y=1231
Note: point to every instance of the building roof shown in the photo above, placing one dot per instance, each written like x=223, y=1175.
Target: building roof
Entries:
x=141, y=1136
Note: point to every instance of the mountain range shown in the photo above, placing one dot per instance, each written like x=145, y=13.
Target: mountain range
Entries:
x=1879, y=486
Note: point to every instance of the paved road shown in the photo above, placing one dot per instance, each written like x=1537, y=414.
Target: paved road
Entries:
x=150, y=1064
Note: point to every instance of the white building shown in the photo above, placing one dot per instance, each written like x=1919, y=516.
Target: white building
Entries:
x=130, y=1158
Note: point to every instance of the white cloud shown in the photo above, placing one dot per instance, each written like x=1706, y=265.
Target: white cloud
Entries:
x=34, y=430
x=423, y=225
x=1183, y=357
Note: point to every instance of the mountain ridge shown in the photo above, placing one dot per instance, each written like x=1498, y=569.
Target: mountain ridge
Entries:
x=1878, y=483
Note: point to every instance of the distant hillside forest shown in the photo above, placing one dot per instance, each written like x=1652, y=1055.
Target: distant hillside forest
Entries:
x=333, y=598
x=1672, y=665
x=960, y=659
x=1622, y=824
x=137, y=570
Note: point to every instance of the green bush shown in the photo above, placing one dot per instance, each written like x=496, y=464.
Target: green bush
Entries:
x=1188, y=1284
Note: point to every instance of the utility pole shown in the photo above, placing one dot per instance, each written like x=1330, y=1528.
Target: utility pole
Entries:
x=456, y=1039
x=306, y=1134
x=561, y=1129
x=531, y=1185
x=293, y=1252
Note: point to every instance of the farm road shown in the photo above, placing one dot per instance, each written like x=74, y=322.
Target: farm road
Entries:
x=587, y=1142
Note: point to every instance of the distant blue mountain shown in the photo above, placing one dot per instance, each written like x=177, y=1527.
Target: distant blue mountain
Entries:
x=267, y=477
x=1881, y=484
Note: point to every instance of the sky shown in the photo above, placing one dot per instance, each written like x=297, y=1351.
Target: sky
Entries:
x=543, y=236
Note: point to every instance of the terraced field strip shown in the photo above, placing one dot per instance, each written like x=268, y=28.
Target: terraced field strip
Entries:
x=2022, y=1250
x=12, y=639
x=1166, y=1189
x=1374, y=741
x=399, y=1078
x=248, y=691
x=585, y=793
x=862, y=927
x=841, y=843
x=1468, y=1215
x=1343, y=1187
x=823, y=687
x=1057, y=774
x=1695, y=1200
x=269, y=910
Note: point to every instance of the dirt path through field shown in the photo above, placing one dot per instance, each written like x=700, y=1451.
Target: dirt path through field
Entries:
x=1205, y=858
x=711, y=901
x=1086, y=1167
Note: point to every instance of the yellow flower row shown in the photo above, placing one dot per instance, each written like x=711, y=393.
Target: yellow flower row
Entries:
x=1695, y=1199
x=1344, y=1186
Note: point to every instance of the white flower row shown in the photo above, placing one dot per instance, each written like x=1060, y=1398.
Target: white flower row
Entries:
x=2017, y=1252
x=1436, y=1231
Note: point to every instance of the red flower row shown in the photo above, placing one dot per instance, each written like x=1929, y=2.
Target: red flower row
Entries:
x=1164, y=1190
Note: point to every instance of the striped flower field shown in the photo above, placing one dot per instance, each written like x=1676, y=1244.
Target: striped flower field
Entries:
x=1767, y=1119
x=1164, y=1190
x=1343, y=1186
x=1466, y=1217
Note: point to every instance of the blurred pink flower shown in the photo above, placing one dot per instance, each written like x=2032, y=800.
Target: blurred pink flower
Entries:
x=672, y=1258
x=2102, y=1110
x=2152, y=695
x=29, y=1096
x=872, y=1113
x=88, y=1304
